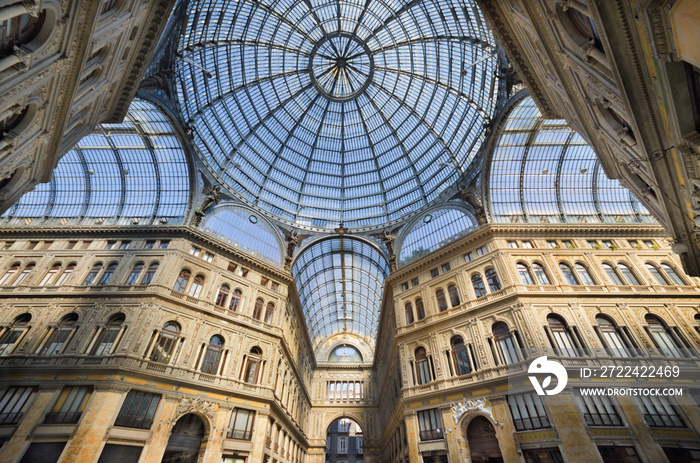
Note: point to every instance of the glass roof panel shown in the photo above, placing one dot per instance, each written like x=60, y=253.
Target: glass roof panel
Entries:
x=246, y=231
x=133, y=170
x=542, y=172
x=435, y=230
x=343, y=110
x=341, y=281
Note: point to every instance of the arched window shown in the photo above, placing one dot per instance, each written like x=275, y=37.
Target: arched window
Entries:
x=235, y=300
x=584, y=275
x=222, y=297
x=107, y=338
x=420, y=310
x=9, y=273
x=562, y=337
x=269, y=312
x=19, y=30
x=182, y=279
x=613, y=338
x=492, y=280
x=212, y=355
x=585, y=26
x=663, y=337
x=568, y=274
x=409, y=313
x=673, y=275
x=656, y=273
x=525, y=275
x=627, y=275
x=505, y=344
x=422, y=366
x=109, y=271
x=460, y=357
x=24, y=274
x=167, y=343
x=92, y=274
x=257, y=309
x=454, y=295
x=13, y=334
x=134, y=275
x=478, y=284
x=196, y=287
x=150, y=273
x=59, y=336
x=63, y=277
x=252, y=366
x=612, y=275
x=50, y=275
x=540, y=274
x=441, y=300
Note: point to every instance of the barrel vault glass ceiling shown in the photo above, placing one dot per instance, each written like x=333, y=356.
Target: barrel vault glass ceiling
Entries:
x=348, y=111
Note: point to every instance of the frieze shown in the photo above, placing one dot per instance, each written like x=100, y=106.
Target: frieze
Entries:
x=480, y=405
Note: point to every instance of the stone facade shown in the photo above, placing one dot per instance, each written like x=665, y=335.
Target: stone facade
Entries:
x=258, y=393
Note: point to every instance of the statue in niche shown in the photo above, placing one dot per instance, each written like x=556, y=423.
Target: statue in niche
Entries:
x=212, y=198
x=470, y=195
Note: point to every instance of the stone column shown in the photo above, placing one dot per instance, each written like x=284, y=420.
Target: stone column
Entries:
x=155, y=447
x=572, y=430
x=451, y=434
x=506, y=432
x=412, y=437
x=640, y=431
x=259, y=437
x=12, y=450
x=212, y=452
x=18, y=9
x=96, y=420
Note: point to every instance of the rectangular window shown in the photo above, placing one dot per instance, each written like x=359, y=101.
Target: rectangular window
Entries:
x=195, y=251
x=243, y=272
x=358, y=444
x=274, y=286
x=634, y=244
x=593, y=244
x=512, y=244
x=264, y=281
x=404, y=286
x=528, y=244
x=150, y=244
x=430, y=424
x=241, y=426
x=528, y=412
x=342, y=445
x=414, y=282
x=469, y=257
x=552, y=244
x=72, y=245
x=115, y=453
x=70, y=405
x=445, y=267
x=7, y=245
x=12, y=404
x=231, y=267
x=481, y=251
x=434, y=272
x=125, y=245
x=567, y=244
x=43, y=452
x=208, y=257
x=649, y=243
x=137, y=410
x=32, y=244
x=543, y=456
x=597, y=410
x=607, y=243
x=111, y=244
x=658, y=412
x=164, y=244
x=46, y=245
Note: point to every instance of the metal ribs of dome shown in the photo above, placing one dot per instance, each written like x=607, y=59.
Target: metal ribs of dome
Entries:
x=345, y=111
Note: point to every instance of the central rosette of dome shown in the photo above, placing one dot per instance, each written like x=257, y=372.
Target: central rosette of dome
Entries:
x=341, y=66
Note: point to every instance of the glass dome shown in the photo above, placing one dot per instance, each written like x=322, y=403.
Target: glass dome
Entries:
x=337, y=111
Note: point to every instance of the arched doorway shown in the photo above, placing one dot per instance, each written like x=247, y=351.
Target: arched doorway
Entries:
x=185, y=441
x=483, y=444
x=344, y=441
